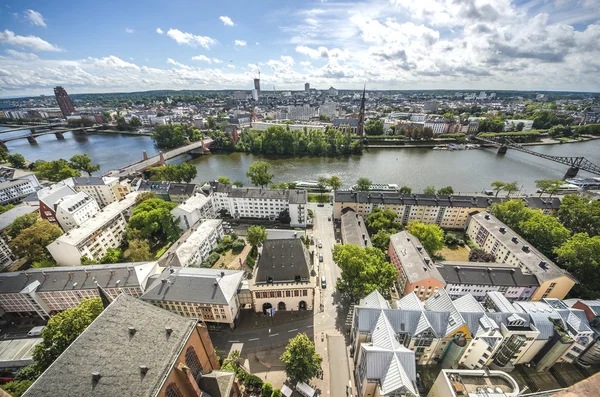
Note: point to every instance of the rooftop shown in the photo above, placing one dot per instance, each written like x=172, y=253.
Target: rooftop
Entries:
x=128, y=334
x=414, y=199
x=283, y=261
x=193, y=203
x=485, y=274
x=182, y=189
x=88, y=181
x=16, y=182
x=72, y=203
x=480, y=383
x=197, y=285
x=17, y=352
x=416, y=263
x=189, y=247
x=9, y=216
x=354, y=230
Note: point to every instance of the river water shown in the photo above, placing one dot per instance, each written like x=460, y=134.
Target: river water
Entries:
x=466, y=171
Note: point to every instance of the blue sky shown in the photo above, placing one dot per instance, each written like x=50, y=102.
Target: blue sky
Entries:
x=105, y=46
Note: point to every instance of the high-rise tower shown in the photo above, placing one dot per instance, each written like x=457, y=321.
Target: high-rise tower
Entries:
x=64, y=102
x=361, y=115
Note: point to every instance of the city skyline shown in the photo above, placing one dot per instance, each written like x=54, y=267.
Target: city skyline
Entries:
x=396, y=44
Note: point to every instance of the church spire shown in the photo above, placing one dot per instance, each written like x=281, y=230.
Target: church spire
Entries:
x=361, y=115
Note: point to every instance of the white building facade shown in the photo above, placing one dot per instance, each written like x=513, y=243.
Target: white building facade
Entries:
x=72, y=211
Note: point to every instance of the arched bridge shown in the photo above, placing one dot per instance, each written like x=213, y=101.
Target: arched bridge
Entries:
x=59, y=133
x=575, y=163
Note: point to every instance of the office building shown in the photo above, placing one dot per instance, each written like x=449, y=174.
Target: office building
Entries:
x=512, y=125
x=93, y=237
x=354, y=230
x=105, y=190
x=284, y=277
x=15, y=190
x=474, y=383
x=194, y=246
x=307, y=87
x=72, y=211
x=210, y=295
x=329, y=109
x=193, y=209
x=135, y=349
x=10, y=174
x=6, y=255
x=47, y=291
x=301, y=113
x=494, y=237
x=64, y=101
x=257, y=87
x=430, y=106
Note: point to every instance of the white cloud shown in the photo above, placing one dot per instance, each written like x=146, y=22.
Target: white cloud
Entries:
x=129, y=30
x=240, y=43
x=190, y=39
x=159, y=31
x=227, y=21
x=113, y=62
x=215, y=60
x=231, y=66
x=35, y=43
x=174, y=62
x=257, y=43
x=202, y=58
x=322, y=52
x=21, y=55
x=35, y=18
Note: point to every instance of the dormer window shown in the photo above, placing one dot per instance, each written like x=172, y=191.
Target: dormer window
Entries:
x=269, y=280
x=297, y=279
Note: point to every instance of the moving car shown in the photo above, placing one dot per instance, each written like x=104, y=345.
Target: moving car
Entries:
x=323, y=282
x=36, y=331
x=320, y=244
x=320, y=257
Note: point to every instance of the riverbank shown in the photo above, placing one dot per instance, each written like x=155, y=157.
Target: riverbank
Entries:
x=431, y=145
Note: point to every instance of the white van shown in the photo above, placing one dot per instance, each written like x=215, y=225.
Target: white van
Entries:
x=36, y=331
x=323, y=282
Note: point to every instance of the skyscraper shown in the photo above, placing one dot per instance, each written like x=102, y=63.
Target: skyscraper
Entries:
x=307, y=87
x=257, y=86
x=64, y=102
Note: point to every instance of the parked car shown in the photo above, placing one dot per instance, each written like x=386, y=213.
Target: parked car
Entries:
x=323, y=282
x=320, y=244
x=36, y=331
x=320, y=257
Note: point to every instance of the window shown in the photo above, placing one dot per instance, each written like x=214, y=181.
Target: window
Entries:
x=173, y=390
x=481, y=362
x=192, y=362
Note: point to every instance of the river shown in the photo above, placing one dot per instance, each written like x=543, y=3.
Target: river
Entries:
x=466, y=171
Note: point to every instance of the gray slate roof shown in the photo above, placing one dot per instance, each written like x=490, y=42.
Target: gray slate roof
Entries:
x=9, y=216
x=416, y=263
x=196, y=285
x=182, y=188
x=217, y=383
x=353, y=230
x=88, y=181
x=415, y=199
x=473, y=273
x=108, y=348
x=283, y=261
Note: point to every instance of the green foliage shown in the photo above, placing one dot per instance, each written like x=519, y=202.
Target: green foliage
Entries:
x=259, y=174
x=211, y=260
x=512, y=213
x=581, y=256
x=87, y=261
x=545, y=119
x=545, y=232
x=276, y=393
x=30, y=372
x=335, y=183
x=431, y=236
x=16, y=160
x=250, y=261
x=498, y=186
x=135, y=122
x=31, y=242
x=550, y=186
x=16, y=388
x=238, y=184
x=183, y=172
x=224, y=180
x=382, y=220
x=491, y=125
x=446, y=190
x=21, y=223
x=237, y=246
x=7, y=207
x=560, y=131
x=405, y=190
x=113, y=255
x=363, y=270
x=363, y=184
x=152, y=219
x=256, y=234
x=267, y=389
x=510, y=133
x=429, y=190
x=580, y=215
x=302, y=363
x=144, y=196
x=479, y=255
x=62, y=329
x=169, y=136
x=253, y=381
x=381, y=240
x=510, y=187
x=55, y=170
x=318, y=198
x=83, y=163
x=374, y=127
x=588, y=129
x=3, y=154
x=450, y=239
x=44, y=263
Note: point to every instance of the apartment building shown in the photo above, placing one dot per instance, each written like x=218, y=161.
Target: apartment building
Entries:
x=261, y=203
x=416, y=270
x=93, y=237
x=496, y=238
x=180, y=192
x=15, y=190
x=477, y=279
x=474, y=383
x=591, y=308
x=193, y=209
x=210, y=295
x=284, y=277
x=354, y=230
x=47, y=291
x=193, y=247
x=105, y=190
x=47, y=199
x=72, y=211
x=6, y=255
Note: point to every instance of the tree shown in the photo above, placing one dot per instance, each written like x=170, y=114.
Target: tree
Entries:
x=62, y=329
x=31, y=242
x=135, y=122
x=322, y=183
x=113, y=255
x=16, y=388
x=382, y=220
x=183, y=172
x=429, y=190
x=512, y=213
x=446, y=190
x=302, y=363
x=144, y=196
x=152, y=219
x=431, y=236
x=449, y=116
x=381, y=240
x=29, y=372
x=363, y=184
x=259, y=174
x=83, y=163
x=363, y=270
x=138, y=251
x=3, y=154
x=510, y=188
x=335, y=183
x=267, y=389
x=580, y=215
x=55, y=170
x=479, y=255
x=427, y=133
x=548, y=186
x=498, y=186
x=7, y=207
x=238, y=184
x=544, y=232
x=374, y=127
x=21, y=223
x=224, y=180
x=212, y=123
x=256, y=235
x=581, y=255
x=16, y=160
x=276, y=393
x=169, y=136
x=405, y=190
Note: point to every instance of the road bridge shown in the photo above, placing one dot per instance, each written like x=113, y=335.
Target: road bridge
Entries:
x=199, y=147
x=32, y=128
x=32, y=137
x=575, y=163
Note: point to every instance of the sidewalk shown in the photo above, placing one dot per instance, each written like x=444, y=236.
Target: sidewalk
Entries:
x=250, y=320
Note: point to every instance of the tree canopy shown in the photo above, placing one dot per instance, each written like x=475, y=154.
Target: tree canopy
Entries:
x=580, y=215
x=581, y=256
x=382, y=220
x=174, y=135
x=256, y=234
x=363, y=184
x=446, y=190
x=512, y=213
x=83, y=163
x=431, y=236
x=21, y=223
x=31, y=242
x=152, y=219
x=138, y=251
x=16, y=160
x=259, y=173
x=429, y=190
x=334, y=183
x=363, y=270
x=479, y=255
x=550, y=186
x=405, y=190
x=224, y=180
x=55, y=170
x=183, y=172
x=381, y=240
x=545, y=232
x=302, y=363
x=374, y=127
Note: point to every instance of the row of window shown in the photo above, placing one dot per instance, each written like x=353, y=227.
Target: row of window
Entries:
x=280, y=294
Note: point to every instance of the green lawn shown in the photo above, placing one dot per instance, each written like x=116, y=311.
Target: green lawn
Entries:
x=317, y=198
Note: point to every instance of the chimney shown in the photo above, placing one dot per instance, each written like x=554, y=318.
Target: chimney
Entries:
x=96, y=376
x=171, y=270
x=526, y=248
x=514, y=240
x=487, y=217
x=222, y=274
x=502, y=230
x=169, y=330
x=131, y=330
x=143, y=369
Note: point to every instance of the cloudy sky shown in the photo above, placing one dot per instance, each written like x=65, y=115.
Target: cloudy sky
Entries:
x=108, y=46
